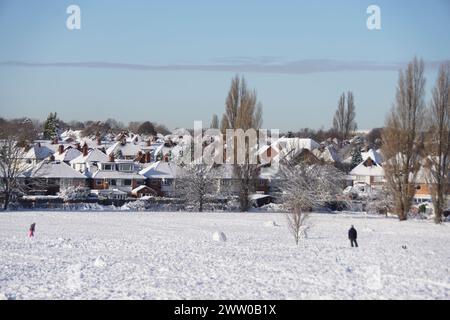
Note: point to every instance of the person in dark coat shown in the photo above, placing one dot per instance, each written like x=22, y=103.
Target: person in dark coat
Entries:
x=352, y=235
x=31, y=231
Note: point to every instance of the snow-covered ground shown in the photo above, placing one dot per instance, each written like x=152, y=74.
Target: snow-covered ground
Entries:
x=130, y=255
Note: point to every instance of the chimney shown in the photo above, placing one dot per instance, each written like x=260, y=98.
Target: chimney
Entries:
x=111, y=157
x=85, y=149
x=52, y=158
x=148, y=157
x=99, y=140
x=166, y=158
x=149, y=142
x=61, y=149
x=78, y=146
x=139, y=156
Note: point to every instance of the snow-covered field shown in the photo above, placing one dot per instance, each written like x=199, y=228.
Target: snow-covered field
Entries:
x=130, y=255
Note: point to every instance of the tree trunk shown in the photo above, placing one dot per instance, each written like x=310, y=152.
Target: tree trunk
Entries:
x=6, y=204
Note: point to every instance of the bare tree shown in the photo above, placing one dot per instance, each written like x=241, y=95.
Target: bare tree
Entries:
x=224, y=124
x=196, y=184
x=214, y=122
x=258, y=116
x=401, y=137
x=438, y=142
x=12, y=168
x=241, y=112
x=305, y=187
x=344, y=118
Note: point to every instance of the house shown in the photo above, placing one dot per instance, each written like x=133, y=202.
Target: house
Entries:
x=327, y=154
x=116, y=174
x=424, y=182
x=124, y=150
x=288, y=149
x=269, y=179
x=161, y=175
x=110, y=194
x=51, y=177
x=66, y=155
x=37, y=153
x=143, y=191
x=370, y=170
x=87, y=161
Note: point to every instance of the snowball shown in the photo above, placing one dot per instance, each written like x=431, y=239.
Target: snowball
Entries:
x=270, y=224
x=7, y=296
x=100, y=262
x=219, y=236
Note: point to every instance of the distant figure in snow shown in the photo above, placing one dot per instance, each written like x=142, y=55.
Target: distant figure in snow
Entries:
x=31, y=231
x=352, y=235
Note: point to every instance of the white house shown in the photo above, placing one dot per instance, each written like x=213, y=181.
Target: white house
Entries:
x=116, y=174
x=161, y=175
x=370, y=170
x=87, y=162
x=53, y=176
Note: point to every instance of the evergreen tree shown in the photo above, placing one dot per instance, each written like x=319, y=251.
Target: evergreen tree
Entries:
x=51, y=126
x=356, y=157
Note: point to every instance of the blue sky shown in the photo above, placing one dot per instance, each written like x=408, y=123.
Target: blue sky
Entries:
x=172, y=61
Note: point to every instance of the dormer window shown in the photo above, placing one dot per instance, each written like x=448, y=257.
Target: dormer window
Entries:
x=126, y=167
x=108, y=167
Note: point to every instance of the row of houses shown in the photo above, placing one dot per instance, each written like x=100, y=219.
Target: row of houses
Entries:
x=136, y=166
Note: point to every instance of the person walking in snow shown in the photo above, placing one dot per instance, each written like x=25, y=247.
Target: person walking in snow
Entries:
x=31, y=231
x=352, y=235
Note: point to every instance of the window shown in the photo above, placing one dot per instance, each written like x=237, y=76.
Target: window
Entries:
x=112, y=182
x=127, y=182
x=126, y=167
x=98, y=182
x=107, y=167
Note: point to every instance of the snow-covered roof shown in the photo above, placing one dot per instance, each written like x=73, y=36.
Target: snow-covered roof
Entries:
x=128, y=149
x=291, y=147
x=298, y=143
x=68, y=155
x=372, y=154
x=39, y=152
x=109, y=191
x=161, y=170
x=135, y=190
x=328, y=154
x=94, y=155
x=363, y=169
x=54, y=169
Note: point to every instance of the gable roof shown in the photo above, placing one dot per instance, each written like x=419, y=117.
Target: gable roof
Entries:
x=364, y=170
x=68, y=155
x=128, y=149
x=95, y=155
x=161, y=170
x=54, y=169
x=374, y=155
x=39, y=152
